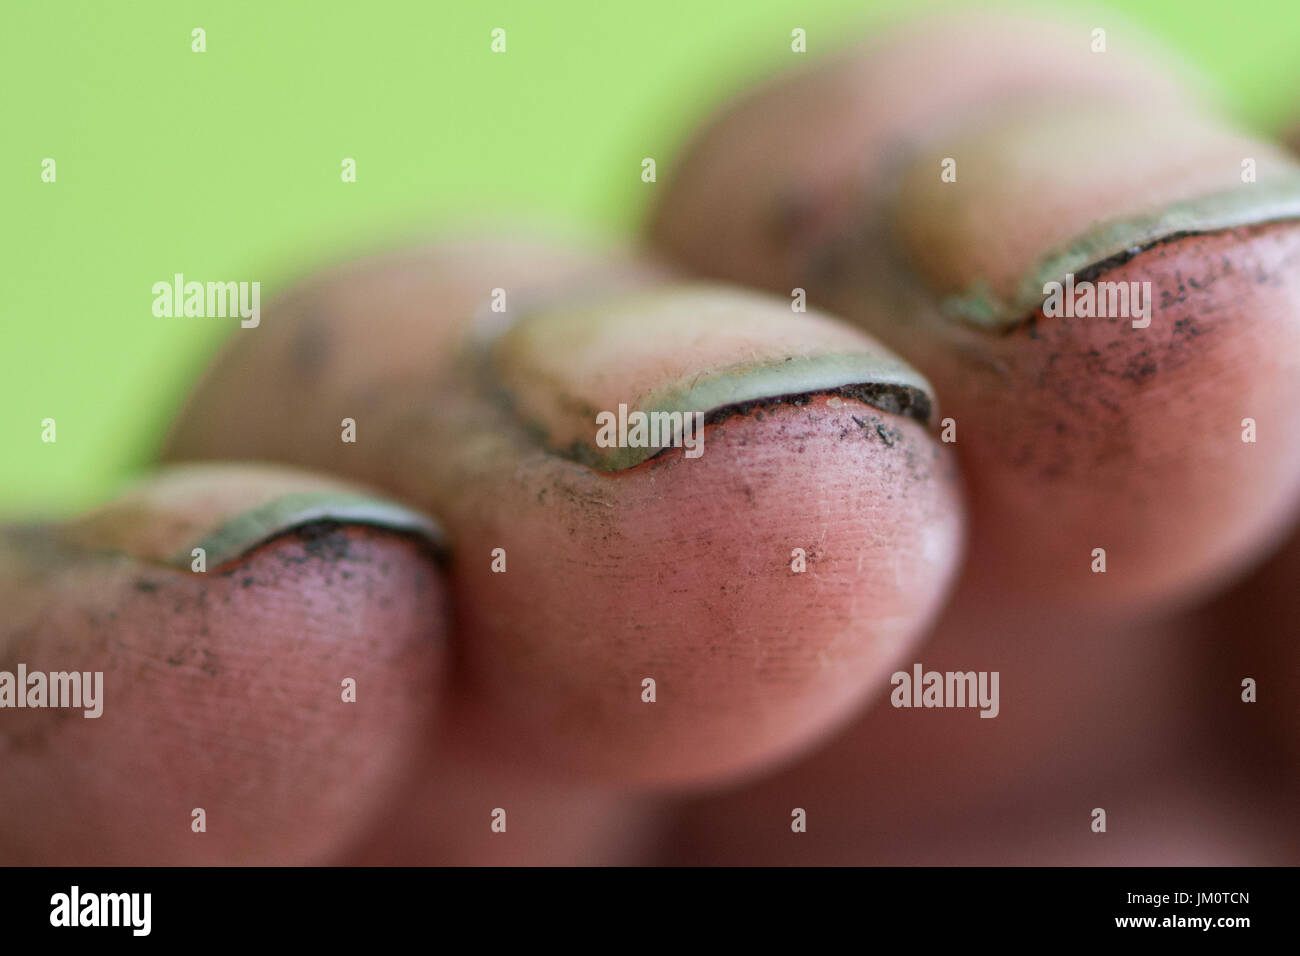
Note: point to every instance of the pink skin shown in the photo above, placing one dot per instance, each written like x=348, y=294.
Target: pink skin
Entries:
x=680, y=570
x=1261, y=614
x=677, y=570
x=444, y=816
x=222, y=691
x=752, y=661
x=1073, y=435
x=1083, y=433
x=1086, y=433
x=1141, y=717
x=1095, y=711
x=790, y=160
x=1101, y=708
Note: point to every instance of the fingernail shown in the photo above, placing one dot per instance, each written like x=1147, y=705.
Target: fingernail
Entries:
x=690, y=350
x=245, y=532
x=1046, y=197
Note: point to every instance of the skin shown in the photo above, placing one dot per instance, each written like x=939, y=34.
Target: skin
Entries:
x=522, y=690
x=1073, y=434
x=1097, y=411
x=553, y=652
x=1262, y=607
x=525, y=678
x=222, y=689
x=1140, y=716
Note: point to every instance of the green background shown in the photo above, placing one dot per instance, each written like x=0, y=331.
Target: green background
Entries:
x=225, y=165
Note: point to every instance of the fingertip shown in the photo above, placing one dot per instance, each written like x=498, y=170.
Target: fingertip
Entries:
x=261, y=710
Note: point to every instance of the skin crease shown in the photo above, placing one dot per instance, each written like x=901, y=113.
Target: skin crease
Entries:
x=221, y=690
x=613, y=577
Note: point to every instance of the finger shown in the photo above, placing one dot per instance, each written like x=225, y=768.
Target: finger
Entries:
x=631, y=613
x=1182, y=728
x=263, y=649
x=877, y=101
x=940, y=229
x=1073, y=725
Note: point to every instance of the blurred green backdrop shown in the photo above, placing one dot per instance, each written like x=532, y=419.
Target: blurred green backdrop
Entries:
x=225, y=165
